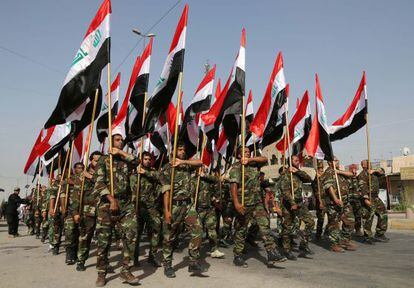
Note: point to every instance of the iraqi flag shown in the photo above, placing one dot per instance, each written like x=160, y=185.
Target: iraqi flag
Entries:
x=85, y=72
x=227, y=109
x=138, y=86
x=102, y=123
x=299, y=128
x=173, y=66
x=270, y=119
x=318, y=144
x=78, y=148
x=55, y=139
x=32, y=161
x=355, y=116
x=189, y=132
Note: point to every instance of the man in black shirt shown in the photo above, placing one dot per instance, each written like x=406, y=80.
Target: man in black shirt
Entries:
x=11, y=212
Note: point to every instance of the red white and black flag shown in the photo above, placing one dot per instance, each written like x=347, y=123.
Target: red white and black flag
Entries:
x=227, y=109
x=54, y=141
x=31, y=164
x=270, y=119
x=200, y=103
x=299, y=128
x=84, y=75
x=319, y=144
x=173, y=66
x=102, y=123
x=138, y=86
x=355, y=116
x=249, y=110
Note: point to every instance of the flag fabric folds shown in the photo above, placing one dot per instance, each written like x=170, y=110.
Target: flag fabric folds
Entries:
x=85, y=72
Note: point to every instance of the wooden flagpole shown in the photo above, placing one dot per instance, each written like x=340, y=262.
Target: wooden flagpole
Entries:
x=315, y=164
x=180, y=80
x=69, y=175
x=51, y=171
x=243, y=134
x=288, y=145
x=199, y=171
x=38, y=182
x=111, y=173
x=86, y=155
x=61, y=180
x=368, y=144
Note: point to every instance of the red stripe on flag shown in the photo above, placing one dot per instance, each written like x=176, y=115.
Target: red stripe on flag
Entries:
x=180, y=27
x=103, y=11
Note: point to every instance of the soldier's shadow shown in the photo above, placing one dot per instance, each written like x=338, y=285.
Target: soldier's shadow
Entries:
x=184, y=263
x=255, y=254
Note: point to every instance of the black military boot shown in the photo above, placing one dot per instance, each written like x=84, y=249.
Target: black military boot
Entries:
x=43, y=239
x=239, y=261
x=153, y=261
x=304, y=250
x=274, y=256
x=100, y=281
x=381, y=238
x=368, y=241
x=289, y=255
x=169, y=271
x=194, y=267
x=70, y=257
x=80, y=266
x=55, y=250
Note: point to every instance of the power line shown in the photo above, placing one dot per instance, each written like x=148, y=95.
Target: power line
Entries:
x=146, y=32
x=30, y=60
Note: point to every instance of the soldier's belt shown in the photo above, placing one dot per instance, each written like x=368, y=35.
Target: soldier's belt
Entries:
x=183, y=202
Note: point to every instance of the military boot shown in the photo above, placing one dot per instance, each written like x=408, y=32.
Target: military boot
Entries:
x=100, y=281
x=127, y=277
x=305, y=250
x=337, y=249
x=194, y=267
x=153, y=261
x=55, y=250
x=369, y=241
x=80, y=266
x=275, y=256
x=289, y=255
x=381, y=238
x=70, y=257
x=239, y=261
x=169, y=271
x=348, y=245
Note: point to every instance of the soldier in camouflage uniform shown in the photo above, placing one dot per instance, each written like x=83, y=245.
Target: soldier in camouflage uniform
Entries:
x=338, y=210
x=252, y=208
x=228, y=213
x=72, y=218
x=182, y=211
x=45, y=212
x=319, y=200
x=208, y=199
x=294, y=206
x=373, y=205
x=37, y=202
x=115, y=211
x=55, y=218
x=148, y=206
x=356, y=199
x=88, y=212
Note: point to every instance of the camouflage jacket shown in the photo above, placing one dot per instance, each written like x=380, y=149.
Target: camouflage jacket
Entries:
x=183, y=181
x=354, y=191
x=50, y=193
x=318, y=189
x=298, y=179
x=328, y=180
x=90, y=196
x=208, y=191
x=252, y=189
x=363, y=184
x=74, y=190
x=121, y=173
x=149, y=192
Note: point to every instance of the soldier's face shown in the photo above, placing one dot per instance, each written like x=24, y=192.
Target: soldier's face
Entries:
x=295, y=161
x=94, y=160
x=364, y=164
x=43, y=188
x=117, y=141
x=146, y=161
x=181, y=152
x=78, y=169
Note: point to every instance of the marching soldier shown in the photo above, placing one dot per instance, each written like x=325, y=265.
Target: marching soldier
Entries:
x=355, y=199
x=148, y=207
x=319, y=200
x=55, y=219
x=115, y=211
x=374, y=205
x=253, y=208
x=294, y=207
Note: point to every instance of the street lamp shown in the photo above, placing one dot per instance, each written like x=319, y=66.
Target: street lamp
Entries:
x=139, y=33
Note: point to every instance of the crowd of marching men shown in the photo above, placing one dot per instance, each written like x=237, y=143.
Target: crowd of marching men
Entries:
x=192, y=173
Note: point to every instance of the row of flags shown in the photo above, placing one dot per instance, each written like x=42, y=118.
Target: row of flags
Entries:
x=152, y=119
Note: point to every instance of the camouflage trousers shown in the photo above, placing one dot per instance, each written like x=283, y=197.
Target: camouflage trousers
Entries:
x=125, y=224
x=208, y=219
x=30, y=222
x=336, y=214
x=86, y=230
x=357, y=209
x=38, y=222
x=151, y=219
x=377, y=208
x=71, y=233
x=187, y=215
x=55, y=229
x=320, y=215
x=242, y=223
x=228, y=215
x=288, y=226
x=45, y=225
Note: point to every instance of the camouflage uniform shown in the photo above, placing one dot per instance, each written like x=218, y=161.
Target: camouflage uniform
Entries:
x=182, y=212
x=37, y=207
x=148, y=208
x=55, y=223
x=208, y=193
x=254, y=209
x=336, y=213
x=228, y=213
x=320, y=211
x=125, y=221
x=72, y=228
x=45, y=209
x=356, y=202
x=301, y=213
x=377, y=206
x=88, y=219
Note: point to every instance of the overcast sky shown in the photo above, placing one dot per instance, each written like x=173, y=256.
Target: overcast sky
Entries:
x=336, y=39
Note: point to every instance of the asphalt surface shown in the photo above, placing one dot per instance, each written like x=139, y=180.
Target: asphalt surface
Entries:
x=25, y=262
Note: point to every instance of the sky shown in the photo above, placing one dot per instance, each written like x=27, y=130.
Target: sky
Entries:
x=336, y=39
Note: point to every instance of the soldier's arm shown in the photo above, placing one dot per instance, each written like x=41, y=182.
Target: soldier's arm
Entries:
x=363, y=186
x=101, y=188
x=190, y=162
x=259, y=160
x=286, y=190
x=132, y=159
x=345, y=173
x=303, y=176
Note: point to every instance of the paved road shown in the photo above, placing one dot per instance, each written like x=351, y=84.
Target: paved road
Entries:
x=24, y=262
